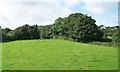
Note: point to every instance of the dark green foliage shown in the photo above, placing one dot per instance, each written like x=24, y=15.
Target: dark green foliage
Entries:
x=116, y=36
x=77, y=27
x=5, y=36
x=45, y=32
x=24, y=32
x=34, y=33
x=108, y=32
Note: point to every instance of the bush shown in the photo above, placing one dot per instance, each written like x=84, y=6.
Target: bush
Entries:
x=116, y=36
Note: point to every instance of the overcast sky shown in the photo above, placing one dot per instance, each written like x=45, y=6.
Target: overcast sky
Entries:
x=15, y=13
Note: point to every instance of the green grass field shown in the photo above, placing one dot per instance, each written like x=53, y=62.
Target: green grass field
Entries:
x=57, y=55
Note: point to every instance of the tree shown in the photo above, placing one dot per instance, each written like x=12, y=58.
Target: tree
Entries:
x=5, y=36
x=22, y=33
x=77, y=27
x=45, y=32
x=26, y=32
x=34, y=32
x=116, y=36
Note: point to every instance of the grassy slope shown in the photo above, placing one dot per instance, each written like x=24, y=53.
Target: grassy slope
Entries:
x=57, y=54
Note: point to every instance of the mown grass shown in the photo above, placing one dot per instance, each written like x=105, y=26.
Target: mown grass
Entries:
x=57, y=55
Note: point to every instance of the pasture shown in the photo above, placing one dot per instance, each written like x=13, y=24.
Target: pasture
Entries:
x=57, y=54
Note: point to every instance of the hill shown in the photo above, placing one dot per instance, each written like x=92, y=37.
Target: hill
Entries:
x=57, y=54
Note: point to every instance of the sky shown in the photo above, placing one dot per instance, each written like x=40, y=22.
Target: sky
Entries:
x=15, y=13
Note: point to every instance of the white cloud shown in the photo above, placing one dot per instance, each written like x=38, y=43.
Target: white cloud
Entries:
x=41, y=13
x=70, y=3
x=105, y=13
x=100, y=0
x=28, y=1
x=95, y=10
x=14, y=13
x=99, y=7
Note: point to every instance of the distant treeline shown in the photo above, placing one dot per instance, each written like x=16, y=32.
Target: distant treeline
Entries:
x=76, y=27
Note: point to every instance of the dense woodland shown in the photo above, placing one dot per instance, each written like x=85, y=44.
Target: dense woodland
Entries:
x=76, y=27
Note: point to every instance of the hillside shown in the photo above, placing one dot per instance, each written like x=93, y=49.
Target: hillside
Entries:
x=58, y=55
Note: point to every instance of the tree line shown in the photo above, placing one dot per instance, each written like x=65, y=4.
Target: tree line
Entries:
x=76, y=27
